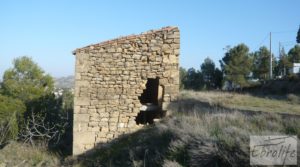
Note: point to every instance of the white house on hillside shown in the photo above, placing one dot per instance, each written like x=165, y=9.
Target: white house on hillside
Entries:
x=295, y=68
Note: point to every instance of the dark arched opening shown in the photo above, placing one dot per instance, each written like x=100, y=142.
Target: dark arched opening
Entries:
x=151, y=102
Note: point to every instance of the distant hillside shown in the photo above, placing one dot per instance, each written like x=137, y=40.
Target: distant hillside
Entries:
x=64, y=82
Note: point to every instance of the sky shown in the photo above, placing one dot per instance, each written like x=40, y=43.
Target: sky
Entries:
x=48, y=31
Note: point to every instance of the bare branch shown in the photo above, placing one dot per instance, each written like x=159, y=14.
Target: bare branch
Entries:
x=37, y=128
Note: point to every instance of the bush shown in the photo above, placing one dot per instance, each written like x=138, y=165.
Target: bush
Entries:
x=293, y=77
x=46, y=121
x=11, y=113
x=293, y=98
x=20, y=154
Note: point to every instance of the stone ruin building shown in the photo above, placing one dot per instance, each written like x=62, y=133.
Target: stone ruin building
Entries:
x=123, y=84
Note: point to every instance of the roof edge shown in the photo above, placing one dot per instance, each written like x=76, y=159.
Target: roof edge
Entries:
x=121, y=38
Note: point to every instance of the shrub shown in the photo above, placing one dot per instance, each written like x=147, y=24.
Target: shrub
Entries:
x=293, y=77
x=11, y=114
x=45, y=121
x=293, y=98
x=19, y=154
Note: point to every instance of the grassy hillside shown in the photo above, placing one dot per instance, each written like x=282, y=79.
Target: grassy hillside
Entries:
x=192, y=140
x=198, y=133
x=275, y=104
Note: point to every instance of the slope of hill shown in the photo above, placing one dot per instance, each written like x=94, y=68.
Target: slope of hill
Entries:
x=64, y=82
x=197, y=133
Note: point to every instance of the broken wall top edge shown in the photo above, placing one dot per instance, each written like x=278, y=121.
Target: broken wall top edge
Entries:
x=124, y=38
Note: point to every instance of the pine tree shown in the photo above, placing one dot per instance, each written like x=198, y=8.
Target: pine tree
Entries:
x=26, y=81
x=294, y=54
x=261, y=63
x=284, y=63
x=236, y=65
x=208, y=70
x=298, y=36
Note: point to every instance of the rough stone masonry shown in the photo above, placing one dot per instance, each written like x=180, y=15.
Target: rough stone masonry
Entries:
x=123, y=84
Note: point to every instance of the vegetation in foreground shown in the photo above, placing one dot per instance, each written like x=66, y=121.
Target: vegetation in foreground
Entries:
x=199, y=133
x=191, y=136
x=18, y=154
x=32, y=115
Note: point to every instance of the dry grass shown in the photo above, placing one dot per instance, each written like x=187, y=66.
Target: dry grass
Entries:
x=289, y=104
x=223, y=138
x=17, y=154
x=194, y=137
x=200, y=133
x=293, y=98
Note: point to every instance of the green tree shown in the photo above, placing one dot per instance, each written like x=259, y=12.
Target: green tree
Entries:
x=67, y=100
x=261, y=63
x=298, y=36
x=294, y=54
x=218, y=78
x=236, y=65
x=194, y=79
x=284, y=63
x=26, y=80
x=182, y=77
x=208, y=70
x=11, y=114
x=44, y=118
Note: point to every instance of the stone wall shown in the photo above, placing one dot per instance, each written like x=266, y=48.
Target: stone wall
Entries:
x=111, y=77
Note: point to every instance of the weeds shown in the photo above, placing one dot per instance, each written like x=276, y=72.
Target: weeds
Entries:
x=294, y=99
x=17, y=154
x=196, y=134
x=235, y=101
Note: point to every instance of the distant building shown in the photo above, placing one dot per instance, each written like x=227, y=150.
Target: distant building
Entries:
x=58, y=92
x=295, y=68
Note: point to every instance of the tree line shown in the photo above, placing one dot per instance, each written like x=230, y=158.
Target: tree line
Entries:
x=239, y=68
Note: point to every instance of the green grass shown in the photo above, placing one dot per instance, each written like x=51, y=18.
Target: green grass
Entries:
x=283, y=104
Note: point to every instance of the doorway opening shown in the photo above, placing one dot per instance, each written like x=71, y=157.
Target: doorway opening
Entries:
x=151, y=102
